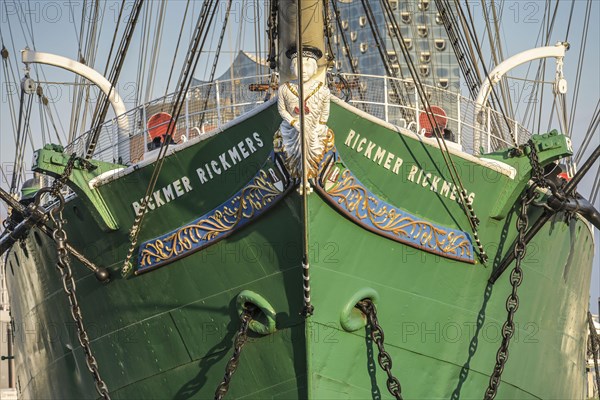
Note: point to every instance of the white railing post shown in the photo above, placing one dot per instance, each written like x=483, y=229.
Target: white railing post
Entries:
x=144, y=128
x=115, y=145
x=417, y=111
x=385, y=105
x=459, y=118
x=489, y=129
x=516, y=132
x=187, y=115
x=218, y=98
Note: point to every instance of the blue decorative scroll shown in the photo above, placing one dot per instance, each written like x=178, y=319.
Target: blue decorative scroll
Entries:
x=347, y=194
x=267, y=187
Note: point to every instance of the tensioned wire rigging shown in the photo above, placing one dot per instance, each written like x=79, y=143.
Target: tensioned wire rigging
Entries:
x=195, y=50
x=454, y=175
x=28, y=35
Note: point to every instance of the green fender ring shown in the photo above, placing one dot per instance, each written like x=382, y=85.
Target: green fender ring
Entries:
x=264, y=322
x=352, y=319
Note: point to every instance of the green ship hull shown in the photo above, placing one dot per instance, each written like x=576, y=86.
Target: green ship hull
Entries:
x=168, y=332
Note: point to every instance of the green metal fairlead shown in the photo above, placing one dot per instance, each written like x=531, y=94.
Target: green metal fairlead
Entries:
x=550, y=147
x=51, y=160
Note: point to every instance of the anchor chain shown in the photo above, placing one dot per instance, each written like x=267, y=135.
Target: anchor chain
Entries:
x=61, y=181
x=63, y=265
x=384, y=358
x=241, y=337
x=594, y=350
x=516, y=275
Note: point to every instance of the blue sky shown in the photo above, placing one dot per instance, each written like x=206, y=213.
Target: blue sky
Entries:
x=54, y=25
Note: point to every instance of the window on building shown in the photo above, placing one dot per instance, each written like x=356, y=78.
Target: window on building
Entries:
x=406, y=17
x=392, y=56
x=391, y=31
x=425, y=57
x=438, y=19
x=422, y=31
x=440, y=44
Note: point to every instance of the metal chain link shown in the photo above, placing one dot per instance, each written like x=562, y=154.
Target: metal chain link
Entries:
x=63, y=265
x=594, y=345
x=516, y=275
x=537, y=172
x=241, y=337
x=61, y=181
x=384, y=358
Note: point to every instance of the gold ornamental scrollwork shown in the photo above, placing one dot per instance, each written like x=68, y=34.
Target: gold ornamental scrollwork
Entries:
x=259, y=193
x=365, y=207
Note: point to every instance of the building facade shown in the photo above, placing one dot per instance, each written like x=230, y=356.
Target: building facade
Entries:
x=421, y=30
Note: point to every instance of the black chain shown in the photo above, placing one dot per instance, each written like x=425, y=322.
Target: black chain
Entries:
x=241, y=337
x=63, y=265
x=537, y=172
x=384, y=358
x=61, y=181
x=594, y=348
x=516, y=275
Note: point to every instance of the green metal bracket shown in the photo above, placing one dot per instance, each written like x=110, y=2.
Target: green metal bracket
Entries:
x=550, y=147
x=51, y=160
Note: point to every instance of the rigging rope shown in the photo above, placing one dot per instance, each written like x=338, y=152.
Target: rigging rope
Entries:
x=10, y=98
x=143, y=52
x=342, y=32
x=187, y=5
x=580, y=62
x=570, y=19
x=19, y=140
x=486, y=72
x=308, y=308
x=595, y=187
x=193, y=56
x=543, y=62
x=591, y=133
x=104, y=102
x=87, y=57
x=328, y=33
x=457, y=42
x=102, y=106
x=380, y=44
x=454, y=175
x=155, y=51
x=215, y=62
x=496, y=51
